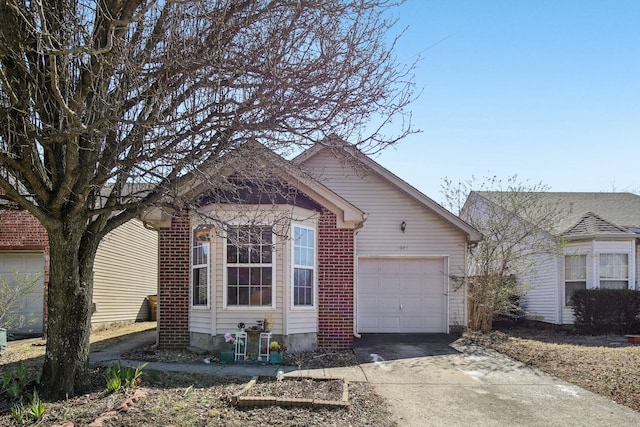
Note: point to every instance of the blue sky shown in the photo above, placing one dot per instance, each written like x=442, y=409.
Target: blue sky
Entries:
x=547, y=90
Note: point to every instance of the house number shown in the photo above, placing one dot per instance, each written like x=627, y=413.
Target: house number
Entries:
x=403, y=247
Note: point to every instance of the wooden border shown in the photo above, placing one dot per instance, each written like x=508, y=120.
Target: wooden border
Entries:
x=242, y=399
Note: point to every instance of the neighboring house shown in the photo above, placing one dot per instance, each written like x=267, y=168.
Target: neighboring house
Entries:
x=345, y=247
x=598, y=236
x=125, y=270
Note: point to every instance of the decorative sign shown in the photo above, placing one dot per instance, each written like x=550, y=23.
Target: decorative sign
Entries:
x=205, y=233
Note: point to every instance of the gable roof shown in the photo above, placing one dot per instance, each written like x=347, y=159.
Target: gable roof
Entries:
x=255, y=159
x=589, y=213
x=352, y=153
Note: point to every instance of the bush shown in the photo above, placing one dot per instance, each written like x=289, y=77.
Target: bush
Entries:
x=600, y=311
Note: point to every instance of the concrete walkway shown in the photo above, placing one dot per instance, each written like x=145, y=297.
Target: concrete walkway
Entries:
x=428, y=382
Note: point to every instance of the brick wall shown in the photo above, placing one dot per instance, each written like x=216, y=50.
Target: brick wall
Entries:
x=335, y=283
x=173, y=298
x=21, y=231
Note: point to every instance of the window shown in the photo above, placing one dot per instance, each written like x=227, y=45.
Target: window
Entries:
x=200, y=271
x=304, y=265
x=614, y=271
x=575, y=276
x=249, y=266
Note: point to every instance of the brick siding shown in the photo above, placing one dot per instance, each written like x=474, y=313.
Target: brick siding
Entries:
x=336, y=258
x=173, y=298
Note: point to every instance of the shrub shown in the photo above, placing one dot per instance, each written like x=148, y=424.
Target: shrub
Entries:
x=599, y=311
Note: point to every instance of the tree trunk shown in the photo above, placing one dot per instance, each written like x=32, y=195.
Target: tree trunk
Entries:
x=69, y=310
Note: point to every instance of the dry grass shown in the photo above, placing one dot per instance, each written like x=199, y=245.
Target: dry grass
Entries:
x=179, y=399
x=606, y=365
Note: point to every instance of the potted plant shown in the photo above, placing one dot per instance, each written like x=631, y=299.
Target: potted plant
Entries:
x=276, y=351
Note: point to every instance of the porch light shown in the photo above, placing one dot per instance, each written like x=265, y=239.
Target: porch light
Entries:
x=403, y=226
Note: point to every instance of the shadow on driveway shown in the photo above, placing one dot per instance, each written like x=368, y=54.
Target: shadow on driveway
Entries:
x=376, y=347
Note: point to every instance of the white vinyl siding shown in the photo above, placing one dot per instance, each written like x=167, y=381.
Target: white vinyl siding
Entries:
x=125, y=273
x=540, y=286
x=386, y=206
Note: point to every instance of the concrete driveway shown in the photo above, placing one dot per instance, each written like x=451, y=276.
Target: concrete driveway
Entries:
x=428, y=382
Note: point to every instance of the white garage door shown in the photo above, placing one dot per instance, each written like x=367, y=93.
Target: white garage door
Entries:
x=31, y=306
x=402, y=295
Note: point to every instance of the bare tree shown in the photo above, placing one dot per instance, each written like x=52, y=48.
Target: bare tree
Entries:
x=105, y=105
x=517, y=228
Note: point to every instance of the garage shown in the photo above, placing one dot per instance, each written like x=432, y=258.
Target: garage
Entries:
x=402, y=295
x=31, y=306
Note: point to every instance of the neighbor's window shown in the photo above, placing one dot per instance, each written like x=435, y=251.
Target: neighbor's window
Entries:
x=199, y=271
x=614, y=271
x=575, y=276
x=249, y=266
x=304, y=265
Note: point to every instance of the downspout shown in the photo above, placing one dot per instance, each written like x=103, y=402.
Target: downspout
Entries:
x=355, y=277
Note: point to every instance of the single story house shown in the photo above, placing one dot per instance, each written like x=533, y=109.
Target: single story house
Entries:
x=597, y=235
x=325, y=246
x=125, y=270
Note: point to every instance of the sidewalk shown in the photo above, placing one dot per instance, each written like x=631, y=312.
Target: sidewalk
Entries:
x=112, y=354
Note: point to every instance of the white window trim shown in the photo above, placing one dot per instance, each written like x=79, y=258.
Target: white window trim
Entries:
x=315, y=269
x=207, y=265
x=597, y=277
x=274, y=282
x=564, y=275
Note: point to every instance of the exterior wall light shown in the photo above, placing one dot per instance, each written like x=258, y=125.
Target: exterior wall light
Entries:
x=403, y=226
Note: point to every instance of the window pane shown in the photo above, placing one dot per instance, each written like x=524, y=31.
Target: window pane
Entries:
x=200, y=286
x=266, y=296
x=232, y=276
x=266, y=254
x=575, y=267
x=243, y=295
x=232, y=295
x=243, y=276
x=614, y=266
x=570, y=288
x=302, y=286
x=232, y=254
x=243, y=255
x=614, y=284
x=266, y=276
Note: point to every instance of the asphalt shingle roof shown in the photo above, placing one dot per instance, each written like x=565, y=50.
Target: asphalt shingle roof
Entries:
x=590, y=213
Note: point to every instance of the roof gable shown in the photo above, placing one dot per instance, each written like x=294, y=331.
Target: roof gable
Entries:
x=591, y=225
x=254, y=162
x=353, y=155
